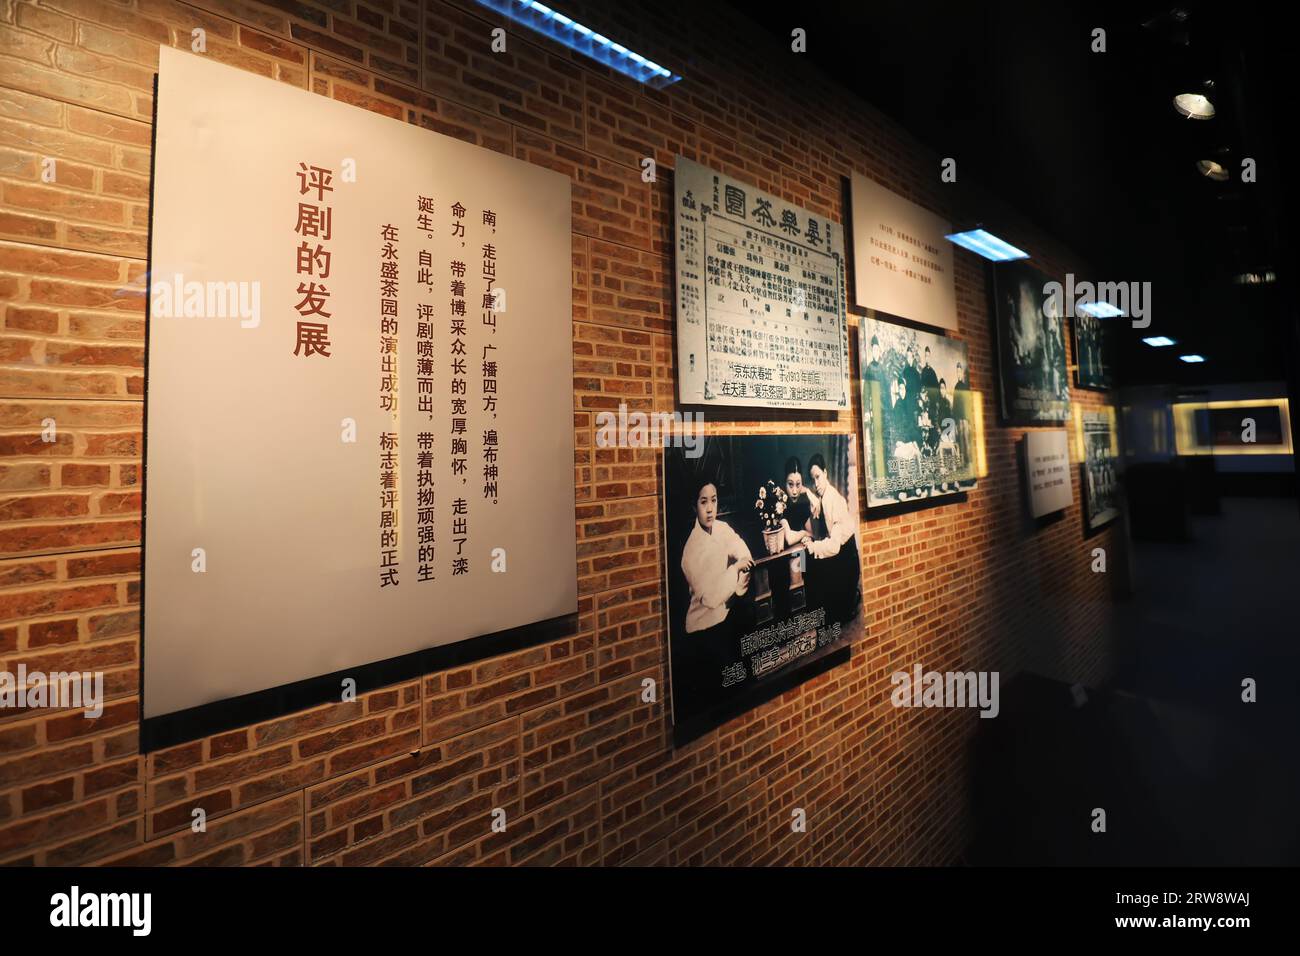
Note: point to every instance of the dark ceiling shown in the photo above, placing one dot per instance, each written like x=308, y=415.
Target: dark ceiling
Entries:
x=1089, y=147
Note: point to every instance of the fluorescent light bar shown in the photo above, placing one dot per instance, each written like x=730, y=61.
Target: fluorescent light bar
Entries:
x=1100, y=310
x=1192, y=359
x=1159, y=341
x=550, y=23
x=987, y=245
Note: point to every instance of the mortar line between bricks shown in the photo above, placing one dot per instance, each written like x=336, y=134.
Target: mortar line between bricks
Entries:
x=36, y=555
x=65, y=247
x=36, y=242
x=119, y=399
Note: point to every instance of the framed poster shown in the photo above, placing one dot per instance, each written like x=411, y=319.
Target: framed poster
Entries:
x=1034, y=387
x=359, y=396
x=762, y=565
x=1047, y=471
x=1100, y=453
x=760, y=298
x=1093, y=356
x=920, y=420
x=902, y=262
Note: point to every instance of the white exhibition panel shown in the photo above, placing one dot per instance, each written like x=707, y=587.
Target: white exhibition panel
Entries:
x=1047, y=470
x=902, y=262
x=247, y=457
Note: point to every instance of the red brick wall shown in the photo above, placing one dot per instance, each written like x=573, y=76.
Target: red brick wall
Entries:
x=556, y=735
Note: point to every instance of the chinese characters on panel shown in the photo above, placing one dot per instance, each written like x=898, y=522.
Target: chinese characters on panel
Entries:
x=315, y=222
x=384, y=464
x=760, y=297
x=1047, y=471
x=902, y=260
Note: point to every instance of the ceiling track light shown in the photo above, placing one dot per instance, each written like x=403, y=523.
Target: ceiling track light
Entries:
x=1195, y=106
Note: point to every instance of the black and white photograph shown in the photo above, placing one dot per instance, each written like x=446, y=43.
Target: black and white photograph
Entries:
x=920, y=419
x=1094, y=361
x=1032, y=373
x=763, y=568
x=1101, y=488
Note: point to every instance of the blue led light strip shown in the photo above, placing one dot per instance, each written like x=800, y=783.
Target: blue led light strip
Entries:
x=551, y=23
x=987, y=245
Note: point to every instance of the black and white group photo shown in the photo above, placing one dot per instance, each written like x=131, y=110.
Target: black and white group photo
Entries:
x=1092, y=352
x=764, y=573
x=918, y=414
x=1101, y=497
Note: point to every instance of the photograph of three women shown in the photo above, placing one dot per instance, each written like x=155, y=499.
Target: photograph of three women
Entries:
x=763, y=568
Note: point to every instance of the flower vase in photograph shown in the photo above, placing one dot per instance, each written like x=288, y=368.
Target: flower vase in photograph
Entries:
x=770, y=505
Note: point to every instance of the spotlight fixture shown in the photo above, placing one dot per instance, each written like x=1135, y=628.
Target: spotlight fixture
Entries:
x=1192, y=359
x=1159, y=341
x=987, y=245
x=1212, y=170
x=551, y=23
x=1195, y=106
x=1255, y=278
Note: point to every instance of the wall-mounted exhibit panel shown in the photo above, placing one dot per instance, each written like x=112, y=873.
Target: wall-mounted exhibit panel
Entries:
x=359, y=439
x=1099, y=454
x=1233, y=427
x=922, y=432
x=902, y=262
x=762, y=564
x=1029, y=328
x=760, y=297
x=1093, y=351
x=1047, y=471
